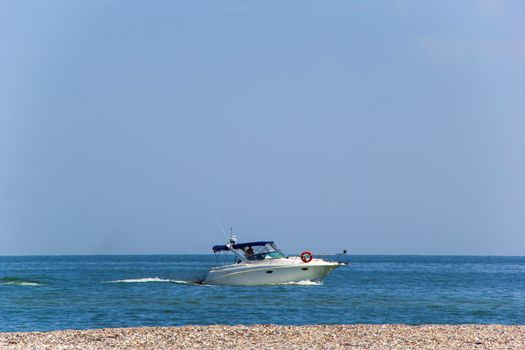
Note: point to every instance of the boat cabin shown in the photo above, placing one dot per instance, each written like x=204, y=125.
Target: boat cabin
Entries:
x=252, y=251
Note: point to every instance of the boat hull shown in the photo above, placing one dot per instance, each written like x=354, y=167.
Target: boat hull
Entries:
x=267, y=274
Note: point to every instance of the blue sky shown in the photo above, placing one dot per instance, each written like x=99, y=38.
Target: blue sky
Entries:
x=381, y=127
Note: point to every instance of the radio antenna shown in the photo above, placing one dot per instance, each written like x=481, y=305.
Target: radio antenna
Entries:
x=221, y=228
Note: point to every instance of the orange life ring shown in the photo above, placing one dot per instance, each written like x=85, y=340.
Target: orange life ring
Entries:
x=307, y=256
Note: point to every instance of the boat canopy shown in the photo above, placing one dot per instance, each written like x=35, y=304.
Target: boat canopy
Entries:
x=218, y=248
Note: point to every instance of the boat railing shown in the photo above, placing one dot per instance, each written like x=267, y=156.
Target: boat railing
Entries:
x=339, y=258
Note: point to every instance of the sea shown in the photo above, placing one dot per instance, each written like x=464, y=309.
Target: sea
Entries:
x=44, y=293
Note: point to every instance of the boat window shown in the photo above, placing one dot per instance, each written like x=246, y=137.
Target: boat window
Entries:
x=276, y=255
x=265, y=253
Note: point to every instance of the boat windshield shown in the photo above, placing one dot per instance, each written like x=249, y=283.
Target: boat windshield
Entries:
x=266, y=252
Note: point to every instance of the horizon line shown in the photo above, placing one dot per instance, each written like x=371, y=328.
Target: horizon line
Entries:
x=293, y=254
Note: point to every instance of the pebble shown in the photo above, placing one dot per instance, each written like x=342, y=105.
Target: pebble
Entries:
x=359, y=336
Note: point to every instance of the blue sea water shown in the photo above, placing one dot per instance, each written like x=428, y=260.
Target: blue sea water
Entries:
x=40, y=293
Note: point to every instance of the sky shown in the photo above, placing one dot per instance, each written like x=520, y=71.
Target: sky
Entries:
x=380, y=127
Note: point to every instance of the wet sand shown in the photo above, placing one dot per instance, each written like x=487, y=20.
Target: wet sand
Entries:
x=276, y=337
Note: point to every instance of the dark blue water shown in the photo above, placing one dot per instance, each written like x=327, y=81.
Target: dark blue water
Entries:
x=48, y=293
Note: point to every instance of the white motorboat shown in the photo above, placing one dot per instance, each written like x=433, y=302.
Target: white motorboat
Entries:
x=262, y=263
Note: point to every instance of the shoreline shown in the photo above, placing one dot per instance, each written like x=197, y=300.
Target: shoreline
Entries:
x=358, y=336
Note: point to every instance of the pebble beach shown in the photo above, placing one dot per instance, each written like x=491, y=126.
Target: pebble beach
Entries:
x=276, y=337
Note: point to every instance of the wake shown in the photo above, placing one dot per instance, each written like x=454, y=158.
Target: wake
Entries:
x=11, y=281
x=300, y=283
x=151, y=280
x=199, y=283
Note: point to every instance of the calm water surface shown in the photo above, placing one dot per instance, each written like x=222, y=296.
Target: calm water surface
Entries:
x=64, y=292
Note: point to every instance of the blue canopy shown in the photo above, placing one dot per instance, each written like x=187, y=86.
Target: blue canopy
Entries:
x=218, y=248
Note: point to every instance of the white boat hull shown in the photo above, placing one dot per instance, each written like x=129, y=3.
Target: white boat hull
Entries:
x=272, y=272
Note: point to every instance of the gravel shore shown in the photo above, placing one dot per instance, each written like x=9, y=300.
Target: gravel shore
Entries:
x=276, y=337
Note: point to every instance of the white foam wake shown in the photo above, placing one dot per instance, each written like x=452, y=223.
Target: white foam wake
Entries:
x=182, y=282
x=13, y=283
x=150, y=279
x=140, y=280
x=302, y=283
x=156, y=279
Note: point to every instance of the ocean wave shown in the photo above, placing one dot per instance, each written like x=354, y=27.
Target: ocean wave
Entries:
x=13, y=281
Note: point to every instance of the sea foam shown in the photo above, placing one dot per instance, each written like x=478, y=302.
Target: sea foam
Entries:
x=301, y=283
x=140, y=280
x=10, y=281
